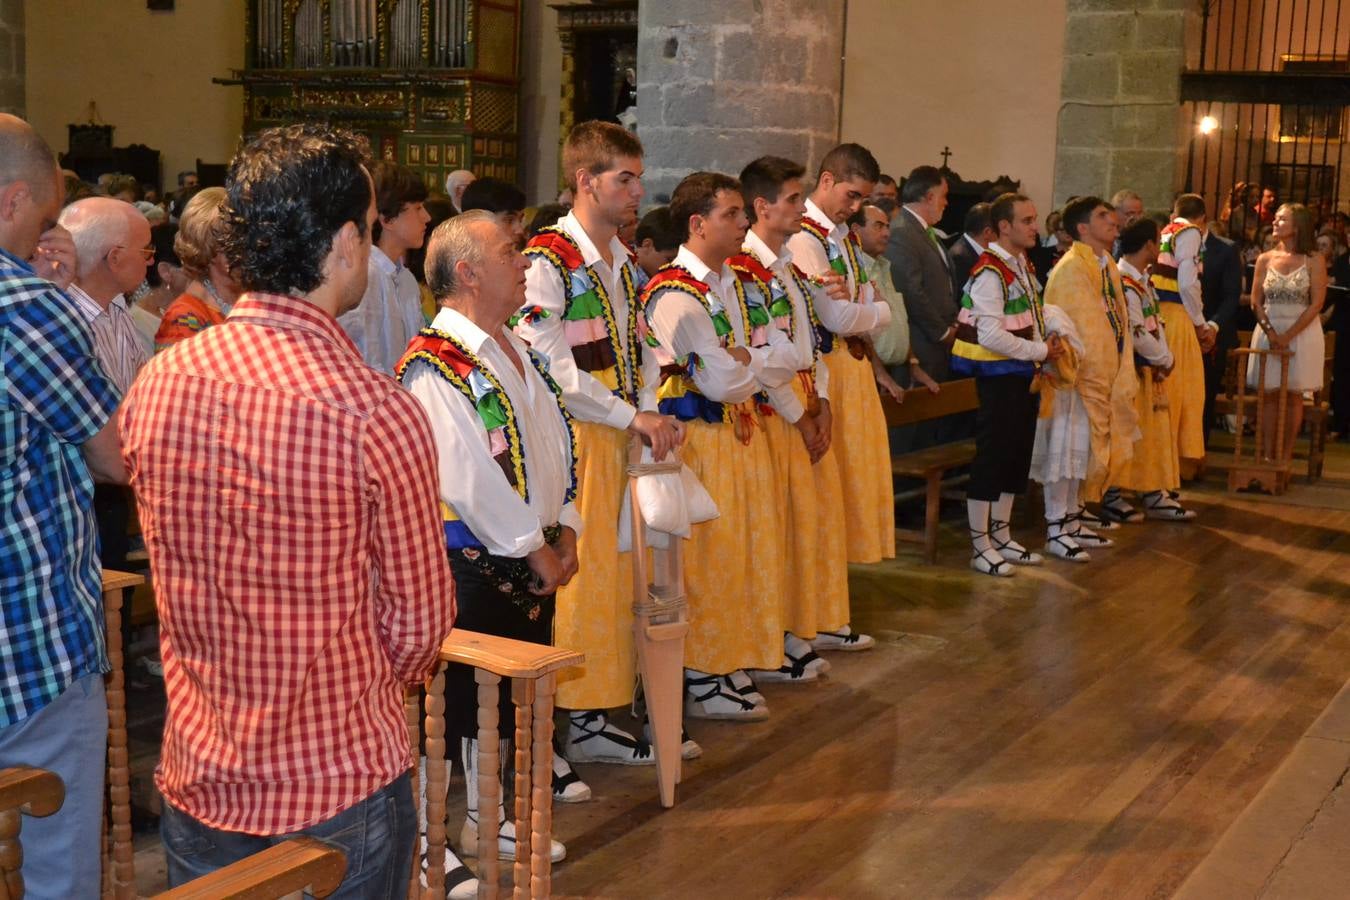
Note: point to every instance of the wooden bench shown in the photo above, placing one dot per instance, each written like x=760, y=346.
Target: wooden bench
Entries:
x=931, y=464
x=299, y=864
x=533, y=670
x=1316, y=409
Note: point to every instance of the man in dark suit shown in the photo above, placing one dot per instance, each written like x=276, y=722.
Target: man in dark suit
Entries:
x=976, y=235
x=1221, y=291
x=921, y=270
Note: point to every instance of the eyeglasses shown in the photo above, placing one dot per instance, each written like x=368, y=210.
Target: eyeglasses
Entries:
x=147, y=253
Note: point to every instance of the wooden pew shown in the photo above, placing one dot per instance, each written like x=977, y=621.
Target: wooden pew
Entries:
x=533, y=670
x=299, y=864
x=931, y=464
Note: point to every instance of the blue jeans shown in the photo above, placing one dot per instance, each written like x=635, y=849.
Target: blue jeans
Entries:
x=377, y=835
x=61, y=851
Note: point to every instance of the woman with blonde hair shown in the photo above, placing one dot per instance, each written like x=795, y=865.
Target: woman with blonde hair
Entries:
x=1288, y=290
x=211, y=289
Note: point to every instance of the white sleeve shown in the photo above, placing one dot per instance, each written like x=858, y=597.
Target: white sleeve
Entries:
x=470, y=479
x=586, y=396
x=1188, y=274
x=808, y=255
x=1145, y=344
x=822, y=379
x=986, y=298
x=570, y=517
x=844, y=317
x=682, y=324
x=778, y=374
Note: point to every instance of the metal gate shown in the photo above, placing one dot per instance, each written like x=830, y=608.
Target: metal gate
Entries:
x=1267, y=102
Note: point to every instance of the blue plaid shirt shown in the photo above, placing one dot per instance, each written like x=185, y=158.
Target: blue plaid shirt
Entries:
x=55, y=397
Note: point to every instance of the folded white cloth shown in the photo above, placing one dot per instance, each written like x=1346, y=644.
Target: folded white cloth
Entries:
x=670, y=503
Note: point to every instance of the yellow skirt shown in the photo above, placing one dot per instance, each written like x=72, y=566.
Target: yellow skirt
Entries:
x=816, y=594
x=595, y=610
x=1185, y=387
x=863, y=452
x=735, y=566
x=1154, y=464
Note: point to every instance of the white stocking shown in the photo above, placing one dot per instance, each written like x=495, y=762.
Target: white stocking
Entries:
x=1057, y=495
x=1001, y=512
x=977, y=512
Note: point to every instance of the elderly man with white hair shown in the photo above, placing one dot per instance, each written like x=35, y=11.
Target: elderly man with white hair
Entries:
x=112, y=250
x=455, y=183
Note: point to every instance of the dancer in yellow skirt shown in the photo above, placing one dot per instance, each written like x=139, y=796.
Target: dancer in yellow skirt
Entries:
x=1152, y=472
x=719, y=355
x=824, y=250
x=582, y=311
x=815, y=603
x=1176, y=280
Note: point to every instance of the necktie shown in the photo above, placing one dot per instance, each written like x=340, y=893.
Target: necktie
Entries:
x=932, y=236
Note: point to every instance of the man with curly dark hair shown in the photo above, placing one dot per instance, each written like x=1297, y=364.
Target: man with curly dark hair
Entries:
x=287, y=493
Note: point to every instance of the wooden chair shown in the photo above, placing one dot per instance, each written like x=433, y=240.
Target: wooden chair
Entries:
x=1316, y=409
x=1253, y=471
x=119, y=875
x=299, y=864
x=533, y=670
x=931, y=464
x=36, y=792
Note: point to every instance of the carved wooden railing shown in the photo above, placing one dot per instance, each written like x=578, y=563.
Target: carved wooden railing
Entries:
x=119, y=874
x=533, y=670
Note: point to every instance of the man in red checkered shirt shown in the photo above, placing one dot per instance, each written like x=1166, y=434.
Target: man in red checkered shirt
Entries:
x=288, y=497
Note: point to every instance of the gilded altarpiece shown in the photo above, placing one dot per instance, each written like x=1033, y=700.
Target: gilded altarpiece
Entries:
x=432, y=83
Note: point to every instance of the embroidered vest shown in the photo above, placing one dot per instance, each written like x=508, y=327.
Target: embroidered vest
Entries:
x=452, y=361
x=1148, y=307
x=842, y=262
x=1023, y=317
x=678, y=394
x=588, y=314
x=1163, y=275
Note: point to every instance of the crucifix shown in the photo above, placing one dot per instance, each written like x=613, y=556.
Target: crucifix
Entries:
x=946, y=152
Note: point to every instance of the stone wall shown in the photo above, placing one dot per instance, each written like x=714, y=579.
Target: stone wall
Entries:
x=11, y=57
x=1120, y=113
x=722, y=83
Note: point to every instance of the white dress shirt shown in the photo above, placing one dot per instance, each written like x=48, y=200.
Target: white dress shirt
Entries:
x=803, y=332
x=389, y=316
x=117, y=343
x=587, y=397
x=986, y=308
x=1152, y=347
x=471, y=481
x=683, y=326
x=842, y=317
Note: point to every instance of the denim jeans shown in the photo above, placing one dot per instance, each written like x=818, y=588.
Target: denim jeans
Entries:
x=60, y=851
x=377, y=835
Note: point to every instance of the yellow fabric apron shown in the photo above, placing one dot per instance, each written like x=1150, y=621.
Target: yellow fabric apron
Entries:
x=816, y=594
x=1185, y=387
x=735, y=566
x=863, y=454
x=595, y=610
x=1154, y=464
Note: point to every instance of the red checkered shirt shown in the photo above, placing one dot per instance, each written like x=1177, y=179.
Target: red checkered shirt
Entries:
x=287, y=494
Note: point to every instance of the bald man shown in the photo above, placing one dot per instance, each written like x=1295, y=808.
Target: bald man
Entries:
x=57, y=430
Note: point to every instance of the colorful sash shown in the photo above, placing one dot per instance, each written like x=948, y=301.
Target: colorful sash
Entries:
x=466, y=373
x=588, y=314
x=1163, y=274
x=1023, y=317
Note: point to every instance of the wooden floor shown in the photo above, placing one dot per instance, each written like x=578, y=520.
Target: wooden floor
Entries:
x=1074, y=731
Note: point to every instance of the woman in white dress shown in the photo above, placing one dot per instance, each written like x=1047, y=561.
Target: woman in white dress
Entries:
x=1288, y=289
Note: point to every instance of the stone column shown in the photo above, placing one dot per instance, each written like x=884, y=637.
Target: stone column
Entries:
x=722, y=83
x=1120, y=120
x=11, y=57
